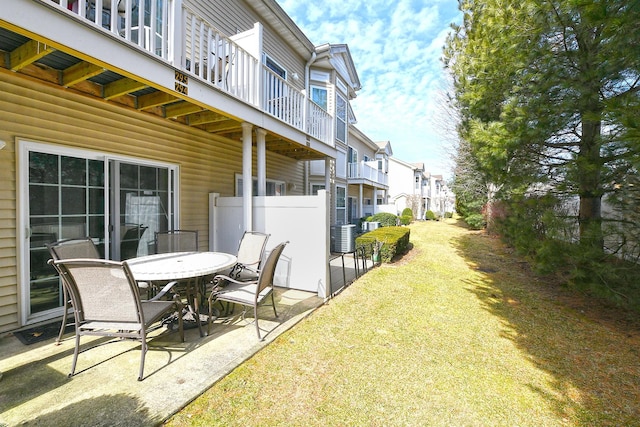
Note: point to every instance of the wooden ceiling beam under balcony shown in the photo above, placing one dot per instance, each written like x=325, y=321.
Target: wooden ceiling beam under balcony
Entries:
x=225, y=126
x=155, y=99
x=205, y=117
x=181, y=108
x=80, y=72
x=121, y=87
x=27, y=54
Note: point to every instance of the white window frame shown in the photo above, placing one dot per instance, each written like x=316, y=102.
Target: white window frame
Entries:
x=326, y=96
x=341, y=211
x=341, y=120
x=275, y=66
x=317, y=167
x=314, y=187
x=341, y=164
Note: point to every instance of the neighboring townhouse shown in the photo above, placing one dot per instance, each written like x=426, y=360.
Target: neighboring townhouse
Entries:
x=333, y=84
x=408, y=188
x=440, y=200
x=126, y=117
x=367, y=180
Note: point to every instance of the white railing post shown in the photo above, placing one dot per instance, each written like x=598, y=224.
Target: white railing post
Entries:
x=175, y=36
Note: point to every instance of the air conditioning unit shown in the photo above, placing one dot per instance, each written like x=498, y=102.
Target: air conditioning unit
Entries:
x=343, y=238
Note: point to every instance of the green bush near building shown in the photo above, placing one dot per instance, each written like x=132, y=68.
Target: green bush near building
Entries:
x=385, y=219
x=391, y=241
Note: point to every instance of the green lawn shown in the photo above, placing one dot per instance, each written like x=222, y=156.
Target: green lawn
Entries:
x=457, y=333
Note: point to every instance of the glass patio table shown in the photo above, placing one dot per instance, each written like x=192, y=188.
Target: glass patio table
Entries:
x=182, y=266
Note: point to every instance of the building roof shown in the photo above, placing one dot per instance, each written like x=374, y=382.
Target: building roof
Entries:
x=276, y=17
x=385, y=147
x=338, y=57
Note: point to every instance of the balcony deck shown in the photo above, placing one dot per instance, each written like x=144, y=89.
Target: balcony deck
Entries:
x=178, y=67
x=367, y=173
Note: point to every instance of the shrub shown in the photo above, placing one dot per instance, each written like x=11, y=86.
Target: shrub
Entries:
x=407, y=212
x=385, y=219
x=394, y=241
x=448, y=214
x=430, y=215
x=475, y=221
x=406, y=219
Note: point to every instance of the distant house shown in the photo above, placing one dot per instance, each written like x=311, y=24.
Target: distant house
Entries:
x=440, y=199
x=408, y=188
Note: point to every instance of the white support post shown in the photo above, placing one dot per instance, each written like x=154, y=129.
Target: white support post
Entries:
x=360, y=202
x=261, y=152
x=327, y=186
x=247, y=178
x=213, y=221
x=375, y=200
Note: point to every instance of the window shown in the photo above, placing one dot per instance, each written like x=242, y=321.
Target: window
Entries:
x=341, y=118
x=352, y=155
x=317, y=167
x=315, y=188
x=341, y=164
x=275, y=67
x=319, y=96
x=274, y=188
x=341, y=204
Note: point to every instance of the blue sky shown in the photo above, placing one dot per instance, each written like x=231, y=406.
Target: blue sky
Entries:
x=396, y=47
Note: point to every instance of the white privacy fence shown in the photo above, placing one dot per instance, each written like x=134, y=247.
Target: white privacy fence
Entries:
x=301, y=220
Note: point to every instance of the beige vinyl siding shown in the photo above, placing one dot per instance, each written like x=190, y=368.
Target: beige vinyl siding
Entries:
x=232, y=17
x=45, y=113
x=8, y=279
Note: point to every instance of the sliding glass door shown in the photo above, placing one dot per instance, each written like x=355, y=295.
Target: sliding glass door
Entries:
x=65, y=200
x=119, y=203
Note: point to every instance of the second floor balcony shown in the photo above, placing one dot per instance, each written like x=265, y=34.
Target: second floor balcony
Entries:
x=175, y=55
x=367, y=173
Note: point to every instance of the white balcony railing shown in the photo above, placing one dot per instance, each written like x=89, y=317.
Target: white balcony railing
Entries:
x=367, y=171
x=129, y=18
x=319, y=122
x=282, y=100
x=187, y=41
x=212, y=56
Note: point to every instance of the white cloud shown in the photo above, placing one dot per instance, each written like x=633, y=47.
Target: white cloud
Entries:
x=396, y=47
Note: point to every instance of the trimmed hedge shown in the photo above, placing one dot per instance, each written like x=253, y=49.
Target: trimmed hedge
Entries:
x=394, y=240
x=406, y=219
x=385, y=219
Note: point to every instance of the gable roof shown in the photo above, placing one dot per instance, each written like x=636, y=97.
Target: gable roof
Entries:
x=385, y=147
x=338, y=57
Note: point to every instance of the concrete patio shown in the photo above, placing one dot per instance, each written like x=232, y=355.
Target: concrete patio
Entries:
x=35, y=389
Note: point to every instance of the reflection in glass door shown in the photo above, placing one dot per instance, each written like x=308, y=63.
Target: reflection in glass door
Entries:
x=66, y=200
x=141, y=209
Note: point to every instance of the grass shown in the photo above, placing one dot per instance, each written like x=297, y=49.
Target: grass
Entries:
x=458, y=332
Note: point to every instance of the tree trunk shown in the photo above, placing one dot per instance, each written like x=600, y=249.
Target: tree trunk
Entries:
x=589, y=187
